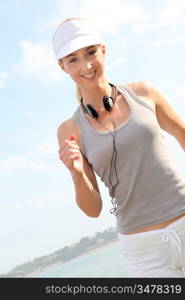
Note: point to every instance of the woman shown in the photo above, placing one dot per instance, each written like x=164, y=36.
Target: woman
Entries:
x=115, y=132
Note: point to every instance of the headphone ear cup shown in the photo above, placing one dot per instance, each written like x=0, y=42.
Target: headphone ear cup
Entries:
x=91, y=111
x=108, y=103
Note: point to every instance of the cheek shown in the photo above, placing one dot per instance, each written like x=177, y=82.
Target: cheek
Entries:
x=74, y=74
x=72, y=70
x=99, y=64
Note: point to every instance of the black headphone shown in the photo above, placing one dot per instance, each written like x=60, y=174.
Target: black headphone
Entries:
x=108, y=103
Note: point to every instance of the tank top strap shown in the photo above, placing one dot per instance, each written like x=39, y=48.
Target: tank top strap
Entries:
x=130, y=95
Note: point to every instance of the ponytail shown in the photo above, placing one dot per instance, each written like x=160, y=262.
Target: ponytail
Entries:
x=78, y=93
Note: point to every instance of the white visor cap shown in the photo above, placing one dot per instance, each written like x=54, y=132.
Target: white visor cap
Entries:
x=74, y=35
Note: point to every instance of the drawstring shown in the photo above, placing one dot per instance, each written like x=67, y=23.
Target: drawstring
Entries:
x=172, y=236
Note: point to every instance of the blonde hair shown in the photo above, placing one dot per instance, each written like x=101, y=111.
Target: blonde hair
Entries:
x=78, y=91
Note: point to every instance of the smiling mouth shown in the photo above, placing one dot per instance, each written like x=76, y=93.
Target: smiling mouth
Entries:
x=90, y=75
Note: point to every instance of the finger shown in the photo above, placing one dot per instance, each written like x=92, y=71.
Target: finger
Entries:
x=71, y=159
x=68, y=143
x=69, y=148
x=65, y=154
x=72, y=137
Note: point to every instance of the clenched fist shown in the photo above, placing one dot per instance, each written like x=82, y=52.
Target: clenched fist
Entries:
x=70, y=155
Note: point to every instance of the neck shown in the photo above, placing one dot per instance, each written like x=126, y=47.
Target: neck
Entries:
x=95, y=95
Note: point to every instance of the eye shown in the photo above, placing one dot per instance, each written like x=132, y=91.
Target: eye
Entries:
x=73, y=60
x=92, y=52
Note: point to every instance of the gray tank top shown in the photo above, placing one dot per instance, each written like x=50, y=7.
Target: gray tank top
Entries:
x=151, y=189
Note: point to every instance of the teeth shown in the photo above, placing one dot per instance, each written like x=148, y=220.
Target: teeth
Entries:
x=89, y=75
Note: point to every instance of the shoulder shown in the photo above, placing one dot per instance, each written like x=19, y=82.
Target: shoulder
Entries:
x=66, y=128
x=141, y=88
x=145, y=91
x=66, y=125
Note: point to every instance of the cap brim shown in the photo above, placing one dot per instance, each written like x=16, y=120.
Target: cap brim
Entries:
x=78, y=43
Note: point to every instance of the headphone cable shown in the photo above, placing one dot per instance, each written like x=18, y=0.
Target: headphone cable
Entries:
x=113, y=161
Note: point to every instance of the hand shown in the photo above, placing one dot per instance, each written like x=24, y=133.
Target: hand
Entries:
x=70, y=155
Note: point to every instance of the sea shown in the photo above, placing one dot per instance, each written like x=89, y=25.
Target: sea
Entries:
x=103, y=262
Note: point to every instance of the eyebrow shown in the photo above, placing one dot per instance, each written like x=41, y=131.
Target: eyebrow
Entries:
x=86, y=49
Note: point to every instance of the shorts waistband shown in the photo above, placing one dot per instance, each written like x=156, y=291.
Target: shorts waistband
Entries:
x=149, y=238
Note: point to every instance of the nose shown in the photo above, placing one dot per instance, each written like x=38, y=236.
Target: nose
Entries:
x=86, y=66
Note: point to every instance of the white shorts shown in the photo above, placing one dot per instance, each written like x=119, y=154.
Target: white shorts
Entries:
x=156, y=253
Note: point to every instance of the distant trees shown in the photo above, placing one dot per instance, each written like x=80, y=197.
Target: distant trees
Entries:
x=63, y=255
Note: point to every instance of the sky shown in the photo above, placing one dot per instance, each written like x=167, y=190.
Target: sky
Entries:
x=145, y=40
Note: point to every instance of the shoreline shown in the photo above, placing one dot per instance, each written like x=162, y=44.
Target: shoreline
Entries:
x=50, y=267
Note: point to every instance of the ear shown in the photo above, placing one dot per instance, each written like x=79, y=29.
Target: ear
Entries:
x=103, y=49
x=61, y=65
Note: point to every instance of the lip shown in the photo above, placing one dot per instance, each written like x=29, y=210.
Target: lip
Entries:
x=90, y=75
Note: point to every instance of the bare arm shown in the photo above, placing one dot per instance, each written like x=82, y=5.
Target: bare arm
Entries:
x=88, y=197
x=168, y=119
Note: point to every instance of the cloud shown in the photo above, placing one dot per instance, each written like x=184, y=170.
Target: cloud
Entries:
x=3, y=77
x=44, y=157
x=168, y=41
x=64, y=9
x=154, y=25
x=116, y=63
x=38, y=60
x=43, y=200
x=173, y=10
x=108, y=15
x=64, y=199
x=116, y=14
x=165, y=17
x=53, y=23
x=14, y=163
x=46, y=148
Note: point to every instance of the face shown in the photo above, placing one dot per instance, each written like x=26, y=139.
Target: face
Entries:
x=86, y=65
